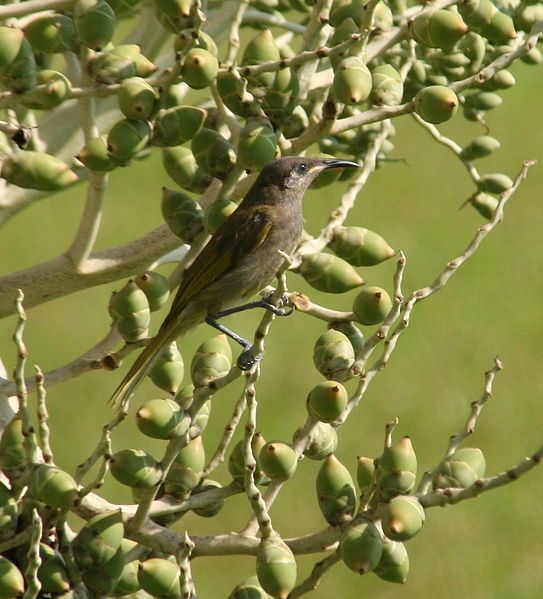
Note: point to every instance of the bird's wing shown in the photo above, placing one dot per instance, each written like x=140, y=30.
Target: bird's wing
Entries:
x=224, y=250
x=238, y=236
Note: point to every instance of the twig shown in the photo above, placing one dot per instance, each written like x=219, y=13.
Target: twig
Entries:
x=25, y=8
x=34, y=560
x=314, y=578
x=183, y=559
x=469, y=428
x=44, y=432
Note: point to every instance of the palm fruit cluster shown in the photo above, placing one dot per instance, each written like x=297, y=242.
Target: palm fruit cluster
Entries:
x=213, y=115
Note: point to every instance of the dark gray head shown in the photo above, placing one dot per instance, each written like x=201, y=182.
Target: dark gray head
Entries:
x=295, y=173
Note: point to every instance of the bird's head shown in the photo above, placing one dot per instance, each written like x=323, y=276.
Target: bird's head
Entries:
x=296, y=173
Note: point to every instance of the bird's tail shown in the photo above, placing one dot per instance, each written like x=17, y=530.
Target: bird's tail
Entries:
x=142, y=365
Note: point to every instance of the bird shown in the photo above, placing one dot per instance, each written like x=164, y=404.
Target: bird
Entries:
x=241, y=258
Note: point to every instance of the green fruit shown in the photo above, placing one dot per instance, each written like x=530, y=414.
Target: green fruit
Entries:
x=52, y=572
x=249, y=589
x=347, y=9
x=360, y=246
x=103, y=579
x=136, y=468
x=11, y=42
x=51, y=33
x=436, y=103
x=278, y=460
x=211, y=509
x=37, y=170
x=156, y=288
x=526, y=15
x=372, y=305
x=439, y=29
x=181, y=166
x=352, y=332
x=162, y=419
x=174, y=8
x=329, y=273
x=500, y=29
x=214, y=154
x=182, y=214
x=212, y=360
x=484, y=203
x=257, y=144
x=494, y=183
x=184, y=40
x=52, y=89
x=402, y=518
x=217, y=213
x=275, y=567
x=333, y=355
x=186, y=471
x=177, y=125
x=232, y=90
x=94, y=23
x=199, y=68
x=19, y=74
x=129, y=308
x=261, y=49
x=361, y=547
x=12, y=583
x=236, y=462
x=322, y=442
x=327, y=400
x=137, y=99
x=480, y=147
x=8, y=510
x=160, y=578
x=335, y=491
x=128, y=582
x=502, y=79
x=122, y=62
x=387, y=86
x=352, y=81
x=126, y=138
x=53, y=486
x=12, y=452
x=483, y=101
x=397, y=469
x=462, y=469
x=94, y=155
x=365, y=473
x=394, y=563
x=168, y=371
x=99, y=540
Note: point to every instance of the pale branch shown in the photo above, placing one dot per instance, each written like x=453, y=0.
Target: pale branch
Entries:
x=253, y=15
x=44, y=433
x=501, y=62
x=34, y=559
x=95, y=358
x=468, y=429
x=258, y=505
x=183, y=559
x=233, y=32
x=228, y=434
x=58, y=277
x=315, y=576
x=453, y=265
x=450, y=496
x=88, y=229
x=26, y=8
x=303, y=304
x=451, y=144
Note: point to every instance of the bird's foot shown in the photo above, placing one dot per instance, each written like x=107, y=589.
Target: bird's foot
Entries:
x=247, y=359
x=281, y=307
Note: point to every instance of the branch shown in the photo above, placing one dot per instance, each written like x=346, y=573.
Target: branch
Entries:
x=58, y=277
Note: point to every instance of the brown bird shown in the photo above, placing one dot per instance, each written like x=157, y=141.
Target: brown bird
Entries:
x=241, y=258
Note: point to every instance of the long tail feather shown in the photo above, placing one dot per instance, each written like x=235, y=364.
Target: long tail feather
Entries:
x=141, y=367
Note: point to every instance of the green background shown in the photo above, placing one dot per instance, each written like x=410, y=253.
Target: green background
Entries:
x=487, y=548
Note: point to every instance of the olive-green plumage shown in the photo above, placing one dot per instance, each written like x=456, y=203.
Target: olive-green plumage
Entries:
x=241, y=258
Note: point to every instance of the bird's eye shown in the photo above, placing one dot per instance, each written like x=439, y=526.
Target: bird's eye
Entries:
x=301, y=168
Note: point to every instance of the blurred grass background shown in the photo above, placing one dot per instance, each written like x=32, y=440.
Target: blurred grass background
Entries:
x=488, y=548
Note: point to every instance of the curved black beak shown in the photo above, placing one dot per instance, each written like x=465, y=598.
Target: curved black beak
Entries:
x=328, y=163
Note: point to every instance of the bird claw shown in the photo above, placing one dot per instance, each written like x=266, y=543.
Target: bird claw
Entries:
x=247, y=360
x=278, y=307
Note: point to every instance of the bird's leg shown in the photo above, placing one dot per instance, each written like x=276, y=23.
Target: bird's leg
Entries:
x=246, y=359
x=262, y=303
